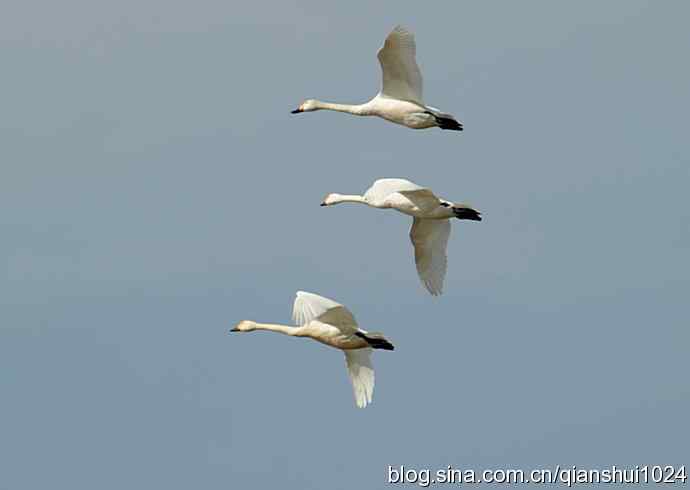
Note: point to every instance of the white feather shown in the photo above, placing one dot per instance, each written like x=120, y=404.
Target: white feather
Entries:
x=310, y=306
x=361, y=372
x=401, y=76
x=430, y=240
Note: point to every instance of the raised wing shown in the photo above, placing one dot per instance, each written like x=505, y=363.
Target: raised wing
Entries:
x=310, y=306
x=361, y=373
x=382, y=188
x=401, y=76
x=430, y=239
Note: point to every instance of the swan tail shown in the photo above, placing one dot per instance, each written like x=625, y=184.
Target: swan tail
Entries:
x=375, y=340
x=467, y=213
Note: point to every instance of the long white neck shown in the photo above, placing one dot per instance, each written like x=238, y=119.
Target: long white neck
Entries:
x=272, y=327
x=357, y=110
x=338, y=198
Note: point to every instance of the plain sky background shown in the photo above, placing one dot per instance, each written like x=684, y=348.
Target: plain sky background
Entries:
x=155, y=189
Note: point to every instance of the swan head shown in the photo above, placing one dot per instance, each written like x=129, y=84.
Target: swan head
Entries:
x=244, y=326
x=308, y=105
x=331, y=199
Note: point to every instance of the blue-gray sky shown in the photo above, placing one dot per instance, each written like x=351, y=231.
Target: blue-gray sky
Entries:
x=155, y=189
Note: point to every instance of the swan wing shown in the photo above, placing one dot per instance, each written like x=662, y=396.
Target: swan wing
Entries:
x=430, y=239
x=424, y=199
x=310, y=306
x=383, y=188
x=401, y=76
x=361, y=372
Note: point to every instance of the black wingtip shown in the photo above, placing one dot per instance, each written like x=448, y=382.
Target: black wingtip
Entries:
x=467, y=213
x=380, y=344
x=453, y=127
x=449, y=124
x=375, y=341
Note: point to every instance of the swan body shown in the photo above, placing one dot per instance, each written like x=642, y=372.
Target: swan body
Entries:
x=400, y=100
x=332, y=324
x=430, y=227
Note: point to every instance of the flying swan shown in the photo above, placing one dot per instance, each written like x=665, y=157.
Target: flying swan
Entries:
x=430, y=227
x=330, y=323
x=400, y=99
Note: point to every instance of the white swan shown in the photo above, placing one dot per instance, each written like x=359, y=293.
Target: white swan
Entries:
x=430, y=227
x=330, y=323
x=400, y=99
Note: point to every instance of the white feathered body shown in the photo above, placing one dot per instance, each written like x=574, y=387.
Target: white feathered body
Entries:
x=401, y=112
x=416, y=208
x=408, y=198
x=334, y=337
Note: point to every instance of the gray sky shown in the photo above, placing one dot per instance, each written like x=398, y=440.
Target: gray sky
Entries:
x=155, y=190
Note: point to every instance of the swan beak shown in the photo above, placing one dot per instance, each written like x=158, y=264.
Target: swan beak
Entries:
x=297, y=111
x=235, y=329
x=323, y=204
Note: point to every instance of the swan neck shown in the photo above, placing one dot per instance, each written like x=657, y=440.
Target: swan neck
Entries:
x=273, y=327
x=350, y=198
x=357, y=110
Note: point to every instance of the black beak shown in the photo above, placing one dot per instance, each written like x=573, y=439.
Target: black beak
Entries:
x=235, y=329
x=322, y=204
x=296, y=111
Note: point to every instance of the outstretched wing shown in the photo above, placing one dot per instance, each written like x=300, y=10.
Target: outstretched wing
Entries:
x=361, y=373
x=401, y=76
x=421, y=196
x=430, y=239
x=310, y=306
x=382, y=188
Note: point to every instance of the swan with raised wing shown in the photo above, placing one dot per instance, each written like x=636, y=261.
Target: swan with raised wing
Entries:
x=400, y=100
x=330, y=323
x=430, y=227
